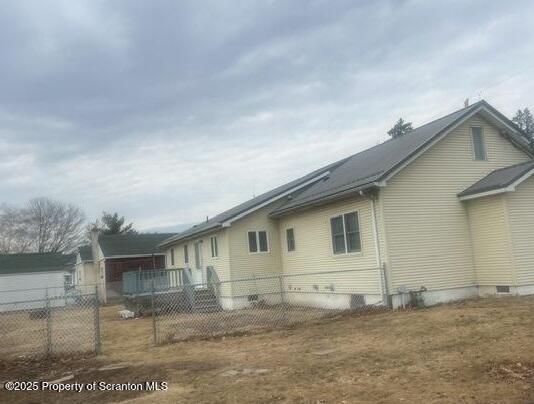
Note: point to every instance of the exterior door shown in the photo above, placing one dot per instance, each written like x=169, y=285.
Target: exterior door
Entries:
x=198, y=277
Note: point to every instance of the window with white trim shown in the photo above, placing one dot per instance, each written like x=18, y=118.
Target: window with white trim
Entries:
x=479, y=146
x=214, y=248
x=257, y=241
x=198, y=254
x=346, y=233
x=172, y=256
x=186, y=255
x=290, y=239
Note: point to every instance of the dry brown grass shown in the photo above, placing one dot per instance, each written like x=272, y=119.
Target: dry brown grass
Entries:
x=25, y=332
x=477, y=351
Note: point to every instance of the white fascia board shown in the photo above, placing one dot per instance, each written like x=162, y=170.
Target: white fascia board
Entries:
x=429, y=145
x=487, y=193
x=510, y=188
x=444, y=134
x=523, y=178
x=506, y=125
x=45, y=271
x=132, y=256
x=229, y=222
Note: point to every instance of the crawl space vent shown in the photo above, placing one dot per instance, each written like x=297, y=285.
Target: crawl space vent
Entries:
x=357, y=301
x=503, y=289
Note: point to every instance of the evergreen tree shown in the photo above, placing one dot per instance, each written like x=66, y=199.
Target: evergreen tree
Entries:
x=400, y=129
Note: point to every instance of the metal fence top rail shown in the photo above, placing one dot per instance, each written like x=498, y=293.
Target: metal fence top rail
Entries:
x=49, y=298
x=50, y=288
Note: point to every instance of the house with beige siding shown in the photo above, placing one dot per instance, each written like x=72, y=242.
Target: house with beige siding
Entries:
x=446, y=210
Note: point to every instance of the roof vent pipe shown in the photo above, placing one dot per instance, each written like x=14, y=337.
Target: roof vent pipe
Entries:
x=466, y=103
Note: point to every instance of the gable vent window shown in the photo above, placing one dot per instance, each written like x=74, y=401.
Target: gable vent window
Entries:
x=346, y=233
x=257, y=241
x=479, y=147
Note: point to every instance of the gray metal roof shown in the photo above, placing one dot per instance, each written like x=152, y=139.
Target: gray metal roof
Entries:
x=131, y=244
x=217, y=221
x=86, y=253
x=353, y=173
x=373, y=165
x=499, y=179
x=35, y=262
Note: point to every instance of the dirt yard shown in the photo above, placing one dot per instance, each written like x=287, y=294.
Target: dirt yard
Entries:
x=476, y=351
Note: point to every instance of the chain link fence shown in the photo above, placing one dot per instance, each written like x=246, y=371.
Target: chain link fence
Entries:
x=49, y=321
x=229, y=307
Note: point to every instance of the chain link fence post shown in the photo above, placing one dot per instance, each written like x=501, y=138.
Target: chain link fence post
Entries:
x=282, y=298
x=48, y=325
x=97, y=322
x=384, y=279
x=154, y=316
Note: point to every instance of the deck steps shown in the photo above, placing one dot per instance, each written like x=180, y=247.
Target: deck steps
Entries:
x=205, y=301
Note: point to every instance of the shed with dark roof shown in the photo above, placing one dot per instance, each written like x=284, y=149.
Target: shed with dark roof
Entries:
x=35, y=262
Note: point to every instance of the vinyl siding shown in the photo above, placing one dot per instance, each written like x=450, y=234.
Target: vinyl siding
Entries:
x=221, y=264
x=31, y=289
x=246, y=265
x=427, y=227
x=521, y=217
x=491, y=241
x=314, y=252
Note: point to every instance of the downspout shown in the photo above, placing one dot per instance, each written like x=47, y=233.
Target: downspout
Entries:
x=380, y=267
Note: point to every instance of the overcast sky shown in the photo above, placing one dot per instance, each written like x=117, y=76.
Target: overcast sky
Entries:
x=169, y=111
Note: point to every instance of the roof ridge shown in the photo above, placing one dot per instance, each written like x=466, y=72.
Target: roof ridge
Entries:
x=414, y=129
x=452, y=113
x=308, y=197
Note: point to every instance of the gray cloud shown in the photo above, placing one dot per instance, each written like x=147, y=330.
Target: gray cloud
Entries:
x=168, y=112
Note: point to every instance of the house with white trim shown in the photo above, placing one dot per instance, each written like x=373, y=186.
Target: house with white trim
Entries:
x=446, y=210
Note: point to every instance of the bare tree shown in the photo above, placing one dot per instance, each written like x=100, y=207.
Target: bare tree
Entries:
x=15, y=234
x=44, y=225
